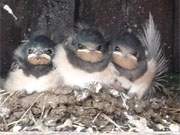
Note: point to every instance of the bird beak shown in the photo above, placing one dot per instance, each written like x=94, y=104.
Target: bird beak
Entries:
x=90, y=56
x=127, y=62
x=42, y=59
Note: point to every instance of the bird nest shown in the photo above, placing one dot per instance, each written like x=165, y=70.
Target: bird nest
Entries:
x=94, y=109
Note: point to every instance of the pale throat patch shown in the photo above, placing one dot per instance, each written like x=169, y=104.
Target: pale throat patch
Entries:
x=90, y=56
x=42, y=59
x=129, y=62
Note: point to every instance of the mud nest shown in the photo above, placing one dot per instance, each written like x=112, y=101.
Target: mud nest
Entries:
x=88, y=110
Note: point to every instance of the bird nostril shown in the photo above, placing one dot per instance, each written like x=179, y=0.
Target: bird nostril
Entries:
x=99, y=48
x=49, y=51
x=30, y=51
x=80, y=46
x=117, y=49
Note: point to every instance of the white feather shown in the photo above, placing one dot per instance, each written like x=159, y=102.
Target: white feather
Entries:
x=17, y=80
x=157, y=64
x=10, y=11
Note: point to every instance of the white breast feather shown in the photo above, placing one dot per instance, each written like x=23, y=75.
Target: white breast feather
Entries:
x=17, y=80
x=73, y=76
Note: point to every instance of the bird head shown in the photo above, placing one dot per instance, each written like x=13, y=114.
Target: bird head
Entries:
x=88, y=45
x=127, y=51
x=38, y=51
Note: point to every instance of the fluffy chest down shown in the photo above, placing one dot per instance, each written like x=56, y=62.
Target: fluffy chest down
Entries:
x=17, y=80
x=73, y=76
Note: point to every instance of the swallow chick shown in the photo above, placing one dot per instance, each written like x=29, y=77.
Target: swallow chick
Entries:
x=33, y=69
x=140, y=59
x=157, y=64
x=128, y=56
x=83, y=57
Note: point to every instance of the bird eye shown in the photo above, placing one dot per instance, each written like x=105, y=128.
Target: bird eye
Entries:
x=80, y=46
x=117, y=49
x=135, y=54
x=99, y=48
x=30, y=50
x=49, y=51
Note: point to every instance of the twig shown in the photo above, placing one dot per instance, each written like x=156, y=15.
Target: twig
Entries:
x=8, y=97
x=4, y=94
x=16, y=122
x=111, y=121
x=43, y=108
x=2, y=90
x=96, y=117
x=5, y=122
